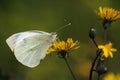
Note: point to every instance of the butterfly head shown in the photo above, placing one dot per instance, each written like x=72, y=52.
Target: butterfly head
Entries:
x=53, y=36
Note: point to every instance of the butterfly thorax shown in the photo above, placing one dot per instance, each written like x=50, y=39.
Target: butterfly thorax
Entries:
x=53, y=36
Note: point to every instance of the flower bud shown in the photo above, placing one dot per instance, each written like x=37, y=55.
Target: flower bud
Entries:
x=101, y=67
x=92, y=33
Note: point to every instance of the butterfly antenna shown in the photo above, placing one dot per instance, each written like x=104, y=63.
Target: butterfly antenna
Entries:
x=63, y=27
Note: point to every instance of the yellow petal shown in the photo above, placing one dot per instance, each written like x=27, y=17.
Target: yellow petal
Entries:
x=111, y=54
x=50, y=50
x=113, y=49
x=105, y=53
x=101, y=47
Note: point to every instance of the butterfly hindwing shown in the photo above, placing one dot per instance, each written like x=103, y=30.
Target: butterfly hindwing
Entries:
x=31, y=50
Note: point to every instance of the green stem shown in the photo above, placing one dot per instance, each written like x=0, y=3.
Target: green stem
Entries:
x=92, y=67
x=99, y=76
x=95, y=43
x=74, y=78
x=105, y=35
x=93, y=64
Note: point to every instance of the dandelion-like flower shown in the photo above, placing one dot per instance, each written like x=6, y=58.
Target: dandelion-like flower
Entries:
x=109, y=14
x=112, y=76
x=107, y=50
x=64, y=47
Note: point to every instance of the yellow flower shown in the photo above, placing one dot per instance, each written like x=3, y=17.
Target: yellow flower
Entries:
x=107, y=50
x=112, y=76
x=64, y=46
x=109, y=14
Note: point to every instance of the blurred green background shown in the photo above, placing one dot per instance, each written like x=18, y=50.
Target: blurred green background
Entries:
x=49, y=15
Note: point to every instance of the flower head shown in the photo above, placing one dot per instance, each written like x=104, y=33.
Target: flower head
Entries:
x=112, y=76
x=60, y=46
x=107, y=50
x=108, y=14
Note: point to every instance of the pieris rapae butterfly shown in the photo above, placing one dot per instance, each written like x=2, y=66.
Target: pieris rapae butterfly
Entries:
x=31, y=46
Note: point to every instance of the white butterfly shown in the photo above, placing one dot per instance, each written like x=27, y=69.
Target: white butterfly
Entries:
x=31, y=46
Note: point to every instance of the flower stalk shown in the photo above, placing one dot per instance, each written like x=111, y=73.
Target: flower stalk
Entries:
x=99, y=76
x=66, y=61
x=92, y=67
x=63, y=54
x=95, y=43
x=105, y=35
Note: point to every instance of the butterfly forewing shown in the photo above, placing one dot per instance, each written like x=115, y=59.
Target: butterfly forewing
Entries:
x=15, y=38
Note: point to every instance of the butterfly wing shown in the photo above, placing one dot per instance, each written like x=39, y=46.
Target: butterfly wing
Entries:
x=31, y=49
x=15, y=38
